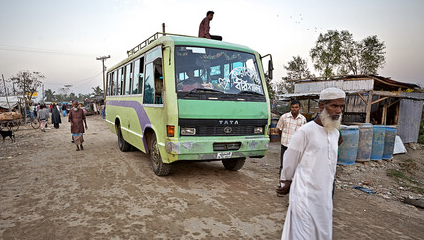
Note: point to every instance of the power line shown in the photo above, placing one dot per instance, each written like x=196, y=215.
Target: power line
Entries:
x=40, y=50
x=71, y=83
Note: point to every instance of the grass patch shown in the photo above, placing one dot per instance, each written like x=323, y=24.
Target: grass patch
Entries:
x=398, y=175
x=409, y=165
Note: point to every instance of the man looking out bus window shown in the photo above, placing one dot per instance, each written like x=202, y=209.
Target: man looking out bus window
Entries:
x=205, y=27
x=192, y=82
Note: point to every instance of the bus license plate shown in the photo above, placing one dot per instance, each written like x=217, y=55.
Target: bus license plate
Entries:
x=223, y=155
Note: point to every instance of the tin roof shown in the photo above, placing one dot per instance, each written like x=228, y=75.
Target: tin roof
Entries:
x=381, y=83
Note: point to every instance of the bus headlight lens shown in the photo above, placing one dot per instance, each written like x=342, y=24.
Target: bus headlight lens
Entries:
x=188, y=131
x=258, y=130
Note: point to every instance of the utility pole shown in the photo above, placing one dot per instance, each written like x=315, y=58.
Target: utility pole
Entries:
x=5, y=92
x=103, y=58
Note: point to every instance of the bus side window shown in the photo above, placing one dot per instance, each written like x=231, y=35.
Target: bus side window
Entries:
x=108, y=83
x=153, y=81
x=158, y=80
x=134, y=88
x=149, y=84
x=118, y=83
x=122, y=81
x=114, y=83
x=138, y=76
x=128, y=78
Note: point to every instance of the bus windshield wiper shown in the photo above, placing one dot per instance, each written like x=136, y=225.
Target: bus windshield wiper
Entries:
x=203, y=90
x=249, y=92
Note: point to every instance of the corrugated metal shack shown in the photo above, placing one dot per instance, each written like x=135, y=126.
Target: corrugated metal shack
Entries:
x=370, y=99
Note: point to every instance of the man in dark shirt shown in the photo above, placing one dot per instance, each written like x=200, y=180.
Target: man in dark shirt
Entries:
x=204, y=27
x=77, y=117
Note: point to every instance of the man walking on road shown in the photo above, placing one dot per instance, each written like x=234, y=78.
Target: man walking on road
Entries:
x=43, y=116
x=287, y=125
x=309, y=169
x=205, y=27
x=76, y=117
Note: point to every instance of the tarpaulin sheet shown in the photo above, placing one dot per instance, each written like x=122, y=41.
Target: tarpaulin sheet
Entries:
x=13, y=101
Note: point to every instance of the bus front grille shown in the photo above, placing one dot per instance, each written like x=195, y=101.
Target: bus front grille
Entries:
x=223, y=127
x=224, y=130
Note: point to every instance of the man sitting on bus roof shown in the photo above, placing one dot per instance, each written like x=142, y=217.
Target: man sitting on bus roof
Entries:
x=205, y=27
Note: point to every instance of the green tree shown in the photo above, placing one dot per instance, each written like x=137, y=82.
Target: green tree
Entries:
x=28, y=82
x=371, y=55
x=72, y=97
x=59, y=97
x=49, y=95
x=338, y=53
x=297, y=68
x=348, y=54
x=97, y=90
x=286, y=86
x=326, y=55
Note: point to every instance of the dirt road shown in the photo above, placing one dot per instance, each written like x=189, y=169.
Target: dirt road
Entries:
x=50, y=191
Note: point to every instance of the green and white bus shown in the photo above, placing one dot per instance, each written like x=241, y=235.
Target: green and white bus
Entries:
x=187, y=98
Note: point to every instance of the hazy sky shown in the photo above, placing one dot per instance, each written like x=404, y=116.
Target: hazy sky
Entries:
x=62, y=39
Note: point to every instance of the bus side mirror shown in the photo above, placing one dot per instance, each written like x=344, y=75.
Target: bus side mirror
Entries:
x=270, y=69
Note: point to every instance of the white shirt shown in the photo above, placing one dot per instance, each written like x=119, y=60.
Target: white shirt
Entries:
x=310, y=162
x=288, y=125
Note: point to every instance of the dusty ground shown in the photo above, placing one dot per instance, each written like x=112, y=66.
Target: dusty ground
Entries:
x=50, y=191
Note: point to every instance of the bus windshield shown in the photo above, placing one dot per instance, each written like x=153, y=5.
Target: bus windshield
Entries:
x=212, y=70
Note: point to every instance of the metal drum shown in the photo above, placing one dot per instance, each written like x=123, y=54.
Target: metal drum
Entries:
x=379, y=133
x=389, y=142
x=365, y=142
x=349, y=148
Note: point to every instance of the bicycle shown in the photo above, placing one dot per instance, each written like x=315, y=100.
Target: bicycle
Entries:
x=35, y=123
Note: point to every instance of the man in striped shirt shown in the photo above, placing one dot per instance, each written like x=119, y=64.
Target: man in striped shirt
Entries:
x=287, y=125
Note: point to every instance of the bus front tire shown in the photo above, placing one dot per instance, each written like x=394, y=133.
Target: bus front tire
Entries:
x=124, y=146
x=233, y=164
x=159, y=167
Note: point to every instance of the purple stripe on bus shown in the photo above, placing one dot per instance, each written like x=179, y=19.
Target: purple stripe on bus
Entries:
x=141, y=114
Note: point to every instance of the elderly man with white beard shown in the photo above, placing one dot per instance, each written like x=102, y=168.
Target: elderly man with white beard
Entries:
x=309, y=169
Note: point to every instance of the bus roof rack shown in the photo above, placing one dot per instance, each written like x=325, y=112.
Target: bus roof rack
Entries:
x=149, y=40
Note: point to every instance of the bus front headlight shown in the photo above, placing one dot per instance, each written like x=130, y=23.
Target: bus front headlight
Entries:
x=188, y=131
x=258, y=130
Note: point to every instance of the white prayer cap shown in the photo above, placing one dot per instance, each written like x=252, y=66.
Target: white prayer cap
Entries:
x=331, y=93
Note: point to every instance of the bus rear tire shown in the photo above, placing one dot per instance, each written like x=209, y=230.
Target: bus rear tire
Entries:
x=159, y=167
x=124, y=146
x=233, y=164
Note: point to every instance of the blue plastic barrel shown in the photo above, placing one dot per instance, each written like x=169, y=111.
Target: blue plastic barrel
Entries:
x=379, y=133
x=389, y=142
x=349, y=148
x=365, y=142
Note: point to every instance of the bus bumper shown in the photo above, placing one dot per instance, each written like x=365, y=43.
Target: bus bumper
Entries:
x=197, y=148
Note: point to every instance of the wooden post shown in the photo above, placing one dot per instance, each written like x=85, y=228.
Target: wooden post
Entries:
x=384, y=115
x=163, y=29
x=369, y=102
x=309, y=104
x=397, y=114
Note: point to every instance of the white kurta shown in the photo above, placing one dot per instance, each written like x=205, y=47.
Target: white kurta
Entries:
x=310, y=162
